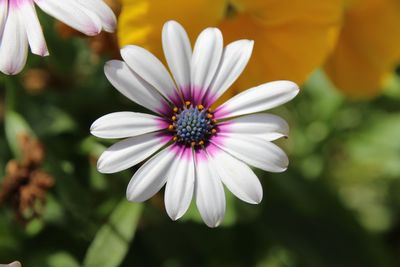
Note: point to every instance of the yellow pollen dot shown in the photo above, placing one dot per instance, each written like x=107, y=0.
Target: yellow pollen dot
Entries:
x=173, y=118
x=201, y=142
x=213, y=131
x=188, y=103
x=214, y=121
x=193, y=144
x=175, y=138
x=200, y=107
x=170, y=127
x=175, y=109
x=210, y=110
x=210, y=116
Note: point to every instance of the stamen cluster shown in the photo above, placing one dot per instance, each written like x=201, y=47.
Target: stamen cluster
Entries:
x=192, y=125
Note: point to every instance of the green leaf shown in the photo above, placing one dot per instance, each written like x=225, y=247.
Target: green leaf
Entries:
x=91, y=147
x=62, y=259
x=53, y=121
x=112, y=241
x=373, y=154
x=15, y=125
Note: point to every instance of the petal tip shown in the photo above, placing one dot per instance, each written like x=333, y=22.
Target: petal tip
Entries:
x=129, y=195
x=171, y=23
x=90, y=30
x=131, y=198
x=294, y=86
x=284, y=168
x=174, y=216
x=14, y=264
x=110, y=29
x=42, y=53
x=174, y=213
x=93, y=128
x=111, y=24
x=214, y=224
x=257, y=200
x=10, y=70
x=250, y=42
x=112, y=65
x=41, y=50
x=101, y=165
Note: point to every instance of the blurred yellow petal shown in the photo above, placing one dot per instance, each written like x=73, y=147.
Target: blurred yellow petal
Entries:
x=292, y=38
x=141, y=21
x=368, y=47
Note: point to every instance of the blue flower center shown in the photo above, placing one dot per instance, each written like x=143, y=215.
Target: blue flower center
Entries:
x=193, y=125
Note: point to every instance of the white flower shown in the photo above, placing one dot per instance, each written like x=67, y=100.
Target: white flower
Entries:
x=196, y=150
x=19, y=25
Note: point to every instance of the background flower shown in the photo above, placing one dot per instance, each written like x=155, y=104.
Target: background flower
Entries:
x=368, y=47
x=293, y=37
x=20, y=26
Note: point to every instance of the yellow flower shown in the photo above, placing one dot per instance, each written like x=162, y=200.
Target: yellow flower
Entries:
x=141, y=21
x=368, y=47
x=292, y=38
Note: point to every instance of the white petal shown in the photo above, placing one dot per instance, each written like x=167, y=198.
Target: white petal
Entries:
x=206, y=58
x=180, y=184
x=210, y=195
x=267, y=126
x=257, y=99
x=133, y=87
x=129, y=152
x=150, y=177
x=147, y=66
x=126, y=124
x=3, y=14
x=178, y=54
x=33, y=29
x=234, y=59
x=236, y=175
x=73, y=14
x=254, y=151
x=104, y=12
x=13, y=264
x=13, y=44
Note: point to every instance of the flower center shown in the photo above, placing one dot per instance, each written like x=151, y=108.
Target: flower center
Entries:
x=192, y=125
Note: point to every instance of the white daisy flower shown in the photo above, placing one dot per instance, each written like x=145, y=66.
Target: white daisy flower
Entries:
x=196, y=149
x=19, y=26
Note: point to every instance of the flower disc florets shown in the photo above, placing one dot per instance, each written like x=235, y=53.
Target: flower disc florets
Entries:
x=192, y=125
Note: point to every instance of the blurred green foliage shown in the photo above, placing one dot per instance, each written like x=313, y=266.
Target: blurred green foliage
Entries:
x=337, y=205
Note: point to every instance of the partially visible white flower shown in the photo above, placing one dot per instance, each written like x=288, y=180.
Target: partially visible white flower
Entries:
x=13, y=264
x=19, y=26
x=195, y=149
